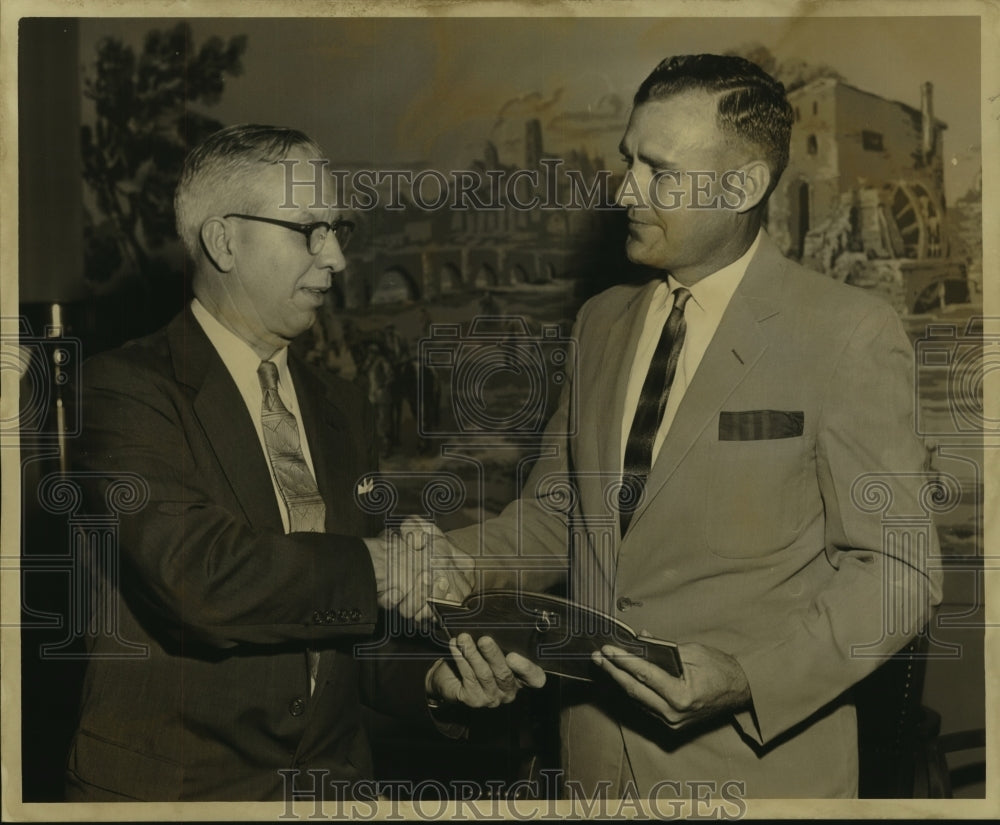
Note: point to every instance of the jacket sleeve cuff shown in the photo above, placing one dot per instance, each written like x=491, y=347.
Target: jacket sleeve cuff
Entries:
x=754, y=721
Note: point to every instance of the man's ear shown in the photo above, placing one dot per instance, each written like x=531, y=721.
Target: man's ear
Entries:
x=216, y=240
x=745, y=188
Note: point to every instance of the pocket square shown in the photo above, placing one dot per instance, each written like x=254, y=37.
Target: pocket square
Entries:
x=760, y=425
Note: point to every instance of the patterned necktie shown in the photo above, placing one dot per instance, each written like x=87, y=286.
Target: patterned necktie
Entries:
x=306, y=510
x=649, y=412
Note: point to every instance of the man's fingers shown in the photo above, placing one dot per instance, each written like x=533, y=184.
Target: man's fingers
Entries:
x=448, y=584
x=478, y=685
x=441, y=587
x=412, y=523
x=482, y=669
x=526, y=670
x=413, y=534
x=465, y=670
x=414, y=603
x=422, y=533
x=615, y=662
x=409, y=595
x=415, y=524
x=502, y=674
x=634, y=688
x=642, y=670
x=485, y=676
x=424, y=614
x=493, y=655
x=411, y=601
x=391, y=598
x=417, y=537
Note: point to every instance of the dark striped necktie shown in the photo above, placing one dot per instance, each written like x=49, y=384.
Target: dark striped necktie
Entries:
x=649, y=412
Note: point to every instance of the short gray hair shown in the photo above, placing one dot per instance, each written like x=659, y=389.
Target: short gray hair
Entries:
x=218, y=174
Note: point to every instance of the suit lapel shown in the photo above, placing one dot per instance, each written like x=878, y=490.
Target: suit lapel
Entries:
x=227, y=424
x=737, y=345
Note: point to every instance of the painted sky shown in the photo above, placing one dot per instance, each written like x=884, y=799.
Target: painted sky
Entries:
x=404, y=90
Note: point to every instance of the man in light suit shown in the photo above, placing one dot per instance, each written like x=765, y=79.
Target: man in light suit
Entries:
x=244, y=574
x=745, y=536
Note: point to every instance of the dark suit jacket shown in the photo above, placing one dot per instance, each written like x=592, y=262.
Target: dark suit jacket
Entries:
x=224, y=601
x=766, y=528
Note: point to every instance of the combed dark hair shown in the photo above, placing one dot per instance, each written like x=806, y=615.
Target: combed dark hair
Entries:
x=751, y=105
x=218, y=173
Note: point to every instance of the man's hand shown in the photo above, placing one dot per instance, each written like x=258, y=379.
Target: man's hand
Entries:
x=415, y=563
x=480, y=675
x=713, y=683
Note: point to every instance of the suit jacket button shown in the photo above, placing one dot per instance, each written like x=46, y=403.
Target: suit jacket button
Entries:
x=297, y=706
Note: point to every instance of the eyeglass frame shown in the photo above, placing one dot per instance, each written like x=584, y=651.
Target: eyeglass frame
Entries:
x=306, y=229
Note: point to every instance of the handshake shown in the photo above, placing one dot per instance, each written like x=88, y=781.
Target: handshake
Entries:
x=415, y=562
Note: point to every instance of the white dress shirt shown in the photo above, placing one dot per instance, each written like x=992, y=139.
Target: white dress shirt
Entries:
x=242, y=363
x=709, y=298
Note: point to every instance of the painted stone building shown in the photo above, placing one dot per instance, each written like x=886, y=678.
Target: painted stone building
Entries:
x=413, y=253
x=862, y=198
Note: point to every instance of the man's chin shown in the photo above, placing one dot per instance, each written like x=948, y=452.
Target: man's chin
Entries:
x=637, y=253
x=293, y=328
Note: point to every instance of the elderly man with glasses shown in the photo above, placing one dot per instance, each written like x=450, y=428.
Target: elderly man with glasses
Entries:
x=245, y=576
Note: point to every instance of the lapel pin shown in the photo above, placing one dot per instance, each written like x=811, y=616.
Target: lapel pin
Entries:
x=366, y=486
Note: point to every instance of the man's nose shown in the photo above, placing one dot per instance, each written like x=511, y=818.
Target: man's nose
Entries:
x=331, y=256
x=629, y=191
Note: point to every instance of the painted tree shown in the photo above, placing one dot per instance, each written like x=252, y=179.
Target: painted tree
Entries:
x=132, y=154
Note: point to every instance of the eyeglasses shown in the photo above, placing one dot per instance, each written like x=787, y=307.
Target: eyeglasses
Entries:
x=316, y=233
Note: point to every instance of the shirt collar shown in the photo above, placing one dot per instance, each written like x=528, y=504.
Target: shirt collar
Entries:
x=712, y=293
x=236, y=354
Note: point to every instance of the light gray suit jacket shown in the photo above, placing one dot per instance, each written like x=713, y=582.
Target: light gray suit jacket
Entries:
x=763, y=530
